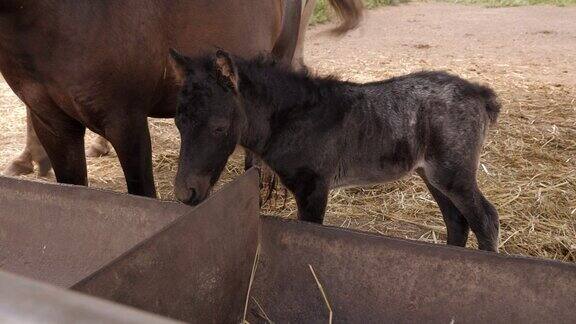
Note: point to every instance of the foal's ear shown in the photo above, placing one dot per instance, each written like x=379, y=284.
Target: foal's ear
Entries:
x=226, y=69
x=180, y=66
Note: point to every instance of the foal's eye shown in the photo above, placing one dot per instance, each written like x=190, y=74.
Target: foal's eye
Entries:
x=219, y=131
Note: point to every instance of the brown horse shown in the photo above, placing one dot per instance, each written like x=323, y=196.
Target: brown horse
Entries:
x=102, y=65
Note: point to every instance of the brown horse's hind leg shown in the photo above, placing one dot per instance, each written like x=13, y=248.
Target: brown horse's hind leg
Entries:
x=98, y=147
x=298, y=60
x=457, y=227
x=20, y=165
x=459, y=185
x=33, y=152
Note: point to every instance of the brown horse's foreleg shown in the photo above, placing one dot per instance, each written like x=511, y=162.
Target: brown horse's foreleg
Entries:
x=33, y=152
x=130, y=137
x=63, y=139
x=98, y=147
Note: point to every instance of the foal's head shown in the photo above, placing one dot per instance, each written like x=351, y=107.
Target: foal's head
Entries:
x=209, y=117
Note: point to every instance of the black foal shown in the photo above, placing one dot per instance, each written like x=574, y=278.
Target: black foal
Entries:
x=320, y=133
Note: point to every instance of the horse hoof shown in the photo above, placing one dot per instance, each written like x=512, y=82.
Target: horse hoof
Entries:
x=44, y=168
x=18, y=167
x=97, y=151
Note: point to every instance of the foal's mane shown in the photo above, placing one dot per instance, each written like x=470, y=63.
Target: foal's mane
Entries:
x=279, y=84
x=276, y=68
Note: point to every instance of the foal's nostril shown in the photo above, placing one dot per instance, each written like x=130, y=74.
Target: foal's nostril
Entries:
x=192, y=195
x=191, y=191
x=185, y=195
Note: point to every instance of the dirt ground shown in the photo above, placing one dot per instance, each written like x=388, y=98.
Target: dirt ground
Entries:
x=529, y=167
x=536, y=43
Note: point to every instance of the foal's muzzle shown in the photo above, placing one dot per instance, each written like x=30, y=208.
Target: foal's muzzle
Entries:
x=188, y=197
x=192, y=191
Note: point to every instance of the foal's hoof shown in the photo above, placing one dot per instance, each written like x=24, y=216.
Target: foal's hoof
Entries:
x=98, y=150
x=18, y=167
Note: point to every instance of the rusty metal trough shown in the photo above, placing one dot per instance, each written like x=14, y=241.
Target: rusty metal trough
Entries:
x=27, y=301
x=369, y=278
x=167, y=258
x=195, y=264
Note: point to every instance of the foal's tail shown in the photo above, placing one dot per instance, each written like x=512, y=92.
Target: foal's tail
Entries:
x=350, y=12
x=491, y=102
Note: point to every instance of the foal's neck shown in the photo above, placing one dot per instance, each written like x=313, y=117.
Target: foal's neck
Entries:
x=275, y=97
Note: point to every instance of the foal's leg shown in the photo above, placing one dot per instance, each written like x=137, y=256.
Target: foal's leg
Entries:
x=311, y=207
x=459, y=185
x=130, y=137
x=456, y=225
x=248, y=160
x=481, y=216
x=63, y=139
x=311, y=193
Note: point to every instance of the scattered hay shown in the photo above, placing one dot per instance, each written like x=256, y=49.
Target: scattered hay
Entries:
x=321, y=288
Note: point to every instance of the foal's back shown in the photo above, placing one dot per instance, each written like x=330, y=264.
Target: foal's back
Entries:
x=405, y=122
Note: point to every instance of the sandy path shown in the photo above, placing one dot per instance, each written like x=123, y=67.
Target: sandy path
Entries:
x=537, y=43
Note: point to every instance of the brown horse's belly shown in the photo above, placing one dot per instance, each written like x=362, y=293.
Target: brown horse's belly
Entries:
x=102, y=65
x=243, y=28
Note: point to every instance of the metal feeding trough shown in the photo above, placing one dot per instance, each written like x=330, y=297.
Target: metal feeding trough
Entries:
x=197, y=264
x=167, y=258
x=304, y=270
x=28, y=301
